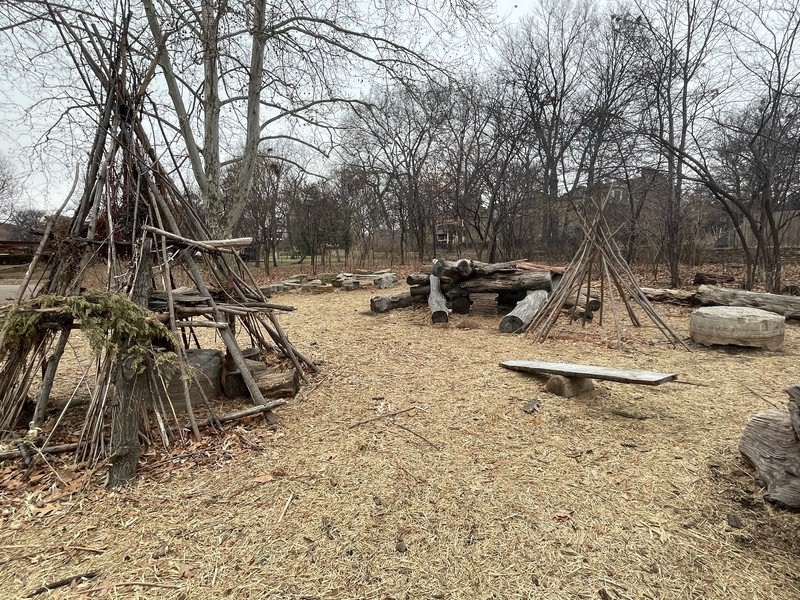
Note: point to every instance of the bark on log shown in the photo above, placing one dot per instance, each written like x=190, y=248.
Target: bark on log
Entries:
x=770, y=443
x=788, y=306
x=504, y=282
x=679, y=297
x=270, y=384
x=524, y=312
x=382, y=304
x=437, y=303
x=130, y=386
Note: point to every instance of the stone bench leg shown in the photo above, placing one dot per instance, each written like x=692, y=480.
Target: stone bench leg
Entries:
x=569, y=386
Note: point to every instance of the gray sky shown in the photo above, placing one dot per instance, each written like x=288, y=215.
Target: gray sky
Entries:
x=46, y=179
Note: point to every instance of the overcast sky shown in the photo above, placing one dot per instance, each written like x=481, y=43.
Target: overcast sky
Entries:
x=46, y=185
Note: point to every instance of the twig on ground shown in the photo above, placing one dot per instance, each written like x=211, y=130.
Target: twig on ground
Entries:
x=62, y=583
x=385, y=416
x=412, y=432
x=111, y=586
x=755, y=393
x=285, y=507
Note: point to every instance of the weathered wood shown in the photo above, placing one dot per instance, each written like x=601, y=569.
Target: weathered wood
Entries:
x=679, y=297
x=737, y=326
x=770, y=444
x=207, y=366
x=523, y=313
x=568, y=387
x=788, y=306
x=455, y=270
x=437, y=303
x=283, y=384
x=244, y=413
x=593, y=372
x=46, y=450
x=701, y=278
x=382, y=304
x=500, y=281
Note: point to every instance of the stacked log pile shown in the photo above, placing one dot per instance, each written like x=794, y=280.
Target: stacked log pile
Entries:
x=446, y=286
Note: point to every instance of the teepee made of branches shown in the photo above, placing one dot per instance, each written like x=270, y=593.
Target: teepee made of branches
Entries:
x=599, y=264
x=165, y=278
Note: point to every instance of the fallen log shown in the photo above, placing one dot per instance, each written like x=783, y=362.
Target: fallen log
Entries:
x=459, y=269
x=523, y=313
x=382, y=304
x=437, y=302
x=788, y=306
x=770, y=443
x=498, y=281
x=680, y=297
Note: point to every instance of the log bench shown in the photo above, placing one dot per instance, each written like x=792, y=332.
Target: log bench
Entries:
x=569, y=380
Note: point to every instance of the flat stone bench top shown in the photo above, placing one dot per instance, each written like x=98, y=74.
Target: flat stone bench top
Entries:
x=592, y=372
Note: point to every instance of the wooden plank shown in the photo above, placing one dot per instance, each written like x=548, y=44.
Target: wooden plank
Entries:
x=593, y=372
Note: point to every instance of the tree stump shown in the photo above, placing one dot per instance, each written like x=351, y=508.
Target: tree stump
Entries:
x=567, y=387
x=771, y=444
x=738, y=326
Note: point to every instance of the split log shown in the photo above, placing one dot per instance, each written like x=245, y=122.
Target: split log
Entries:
x=523, y=313
x=771, y=444
x=382, y=304
x=437, y=303
x=788, y=306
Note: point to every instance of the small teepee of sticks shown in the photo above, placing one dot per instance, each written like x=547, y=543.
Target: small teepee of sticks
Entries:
x=599, y=260
x=162, y=278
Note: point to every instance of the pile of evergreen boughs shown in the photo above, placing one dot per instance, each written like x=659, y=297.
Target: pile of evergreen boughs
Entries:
x=110, y=321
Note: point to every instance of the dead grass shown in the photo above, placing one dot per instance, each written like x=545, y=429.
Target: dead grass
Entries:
x=465, y=496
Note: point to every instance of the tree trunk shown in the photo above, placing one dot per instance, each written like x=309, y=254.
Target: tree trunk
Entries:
x=524, y=312
x=130, y=386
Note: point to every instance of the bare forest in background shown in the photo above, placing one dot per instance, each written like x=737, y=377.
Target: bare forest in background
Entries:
x=686, y=115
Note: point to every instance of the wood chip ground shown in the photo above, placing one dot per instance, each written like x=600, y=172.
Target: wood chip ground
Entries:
x=465, y=496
